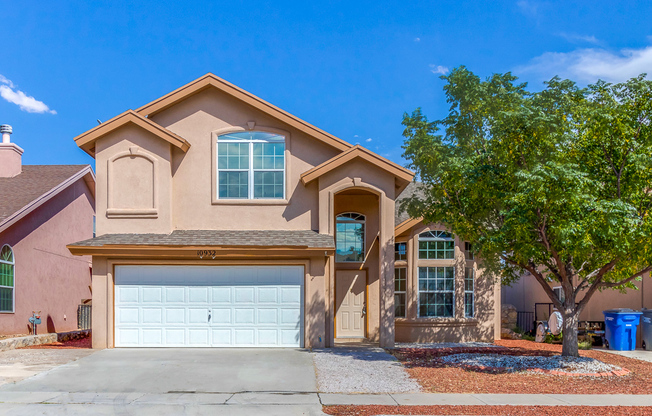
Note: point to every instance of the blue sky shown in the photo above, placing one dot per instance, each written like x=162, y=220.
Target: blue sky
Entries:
x=350, y=68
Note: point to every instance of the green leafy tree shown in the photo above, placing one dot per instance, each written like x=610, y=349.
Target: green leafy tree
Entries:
x=557, y=183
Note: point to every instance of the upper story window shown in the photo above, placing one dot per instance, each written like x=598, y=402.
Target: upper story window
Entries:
x=349, y=237
x=251, y=165
x=468, y=251
x=400, y=251
x=7, y=273
x=436, y=245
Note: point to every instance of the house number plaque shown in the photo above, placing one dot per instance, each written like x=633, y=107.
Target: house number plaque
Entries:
x=208, y=253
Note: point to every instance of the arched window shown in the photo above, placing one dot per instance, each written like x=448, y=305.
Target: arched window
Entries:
x=436, y=245
x=251, y=165
x=7, y=272
x=349, y=237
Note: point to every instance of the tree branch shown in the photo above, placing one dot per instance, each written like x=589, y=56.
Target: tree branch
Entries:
x=625, y=281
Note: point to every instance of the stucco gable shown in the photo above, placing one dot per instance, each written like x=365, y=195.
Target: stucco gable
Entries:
x=211, y=81
x=86, y=141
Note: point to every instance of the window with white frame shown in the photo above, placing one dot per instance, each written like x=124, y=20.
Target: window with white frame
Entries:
x=7, y=275
x=349, y=237
x=469, y=292
x=251, y=165
x=559, y=291
x=436, y=291
x=400, y=282
x=468, y=251
x=400, y=251
x=436, y=245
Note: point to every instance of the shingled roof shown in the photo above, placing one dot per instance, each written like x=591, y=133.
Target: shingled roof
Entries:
x=34, y=182
x=412, y=189
x=218, y=238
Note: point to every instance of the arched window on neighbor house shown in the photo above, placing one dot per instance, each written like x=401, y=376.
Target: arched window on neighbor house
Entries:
x=7, y=274
x=349, y=237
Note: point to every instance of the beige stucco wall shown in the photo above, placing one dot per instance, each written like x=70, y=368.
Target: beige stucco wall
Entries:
x=525, y=292
x=412, y=328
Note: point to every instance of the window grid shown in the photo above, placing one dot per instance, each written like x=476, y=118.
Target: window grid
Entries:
x=468, y=251
x=7, y=279
x=350, y=238
x=251, y=165
x=436, y=245
x=469, y=292
x=400, y=251
x=436, y=292
x=400, y=287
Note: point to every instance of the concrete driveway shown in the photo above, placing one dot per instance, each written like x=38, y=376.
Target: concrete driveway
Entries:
x=172, y=381
x=171, y=370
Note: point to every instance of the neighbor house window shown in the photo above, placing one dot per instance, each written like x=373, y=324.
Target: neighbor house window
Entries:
x=251, y=165
x=559, y=291
x=436, y=291
x=469, y=290
x=349, y=237
x=7, y=273
x=468, y=251
x=400, y=251
x=400, y=281
x=436, y=245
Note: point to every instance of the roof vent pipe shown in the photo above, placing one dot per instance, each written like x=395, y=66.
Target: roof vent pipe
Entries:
x=6, y=131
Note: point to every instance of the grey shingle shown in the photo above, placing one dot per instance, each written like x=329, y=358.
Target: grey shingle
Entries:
x=235, y=238
x=33, y=182
x=413, y=188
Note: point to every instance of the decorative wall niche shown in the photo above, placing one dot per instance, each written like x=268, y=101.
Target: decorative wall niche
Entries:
x=132, y=185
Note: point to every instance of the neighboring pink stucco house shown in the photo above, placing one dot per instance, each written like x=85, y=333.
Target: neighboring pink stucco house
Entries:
x=42, y=208
x=224, y=221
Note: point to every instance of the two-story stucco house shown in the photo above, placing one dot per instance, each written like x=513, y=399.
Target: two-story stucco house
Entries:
x=225, y=221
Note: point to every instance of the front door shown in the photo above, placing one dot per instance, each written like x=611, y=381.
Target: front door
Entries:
x=350, y=304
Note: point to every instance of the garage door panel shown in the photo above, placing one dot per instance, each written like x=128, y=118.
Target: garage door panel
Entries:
x=169, y=306
x=244, y=294
x=175, y=316
x=175, y=295
x=152, y=316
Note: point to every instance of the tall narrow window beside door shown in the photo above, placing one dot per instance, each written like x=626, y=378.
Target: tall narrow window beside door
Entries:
x=400, y=282
x=469, y=292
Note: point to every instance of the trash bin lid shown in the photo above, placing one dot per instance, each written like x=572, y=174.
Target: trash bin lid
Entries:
x=622, y=310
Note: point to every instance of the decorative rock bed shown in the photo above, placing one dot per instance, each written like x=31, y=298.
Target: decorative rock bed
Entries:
x=501, y=360
x=554, y=365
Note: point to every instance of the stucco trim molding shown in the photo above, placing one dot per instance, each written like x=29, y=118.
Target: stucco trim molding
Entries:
x=430, y=323
x=86, y=141
x=139, y=212
x=211, y=81
x=251, y=126
x=403, y=176
x=85, y=173
x=407, y=225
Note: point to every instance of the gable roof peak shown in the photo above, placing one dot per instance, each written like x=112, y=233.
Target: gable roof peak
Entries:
x=211, y=80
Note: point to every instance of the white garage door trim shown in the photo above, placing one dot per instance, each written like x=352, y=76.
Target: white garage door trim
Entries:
x=209, y=306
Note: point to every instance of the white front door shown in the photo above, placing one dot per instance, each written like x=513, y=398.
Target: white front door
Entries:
x=209, y=306
x=350, y=289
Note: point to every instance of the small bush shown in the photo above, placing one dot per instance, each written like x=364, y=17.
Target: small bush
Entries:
x=528, y=337
x=585, y=345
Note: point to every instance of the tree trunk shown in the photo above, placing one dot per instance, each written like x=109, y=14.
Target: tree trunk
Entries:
x=569, y=336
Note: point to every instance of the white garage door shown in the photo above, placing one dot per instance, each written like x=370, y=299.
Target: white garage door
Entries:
x=209, y=306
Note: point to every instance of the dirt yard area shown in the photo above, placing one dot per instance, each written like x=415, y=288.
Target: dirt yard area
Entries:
x=19, y=364
x=426, y=366
x=487, y=410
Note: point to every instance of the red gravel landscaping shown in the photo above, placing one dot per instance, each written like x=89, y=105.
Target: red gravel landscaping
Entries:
x=422, y=365
x=487, y=410
x=72, y=344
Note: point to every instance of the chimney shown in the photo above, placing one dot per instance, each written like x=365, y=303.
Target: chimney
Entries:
x=10, y=154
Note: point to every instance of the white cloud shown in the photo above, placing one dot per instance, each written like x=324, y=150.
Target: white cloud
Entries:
x=368, y=140
x=10, y=93
x=417, y=39
x=438, y=69
x=355, y=135
x=574, y=37
x=591, y=64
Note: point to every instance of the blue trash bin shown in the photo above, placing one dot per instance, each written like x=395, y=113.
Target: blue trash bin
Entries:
x=620, y=328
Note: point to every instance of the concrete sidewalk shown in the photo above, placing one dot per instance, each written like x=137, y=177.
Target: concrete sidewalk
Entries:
x=313, y=399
